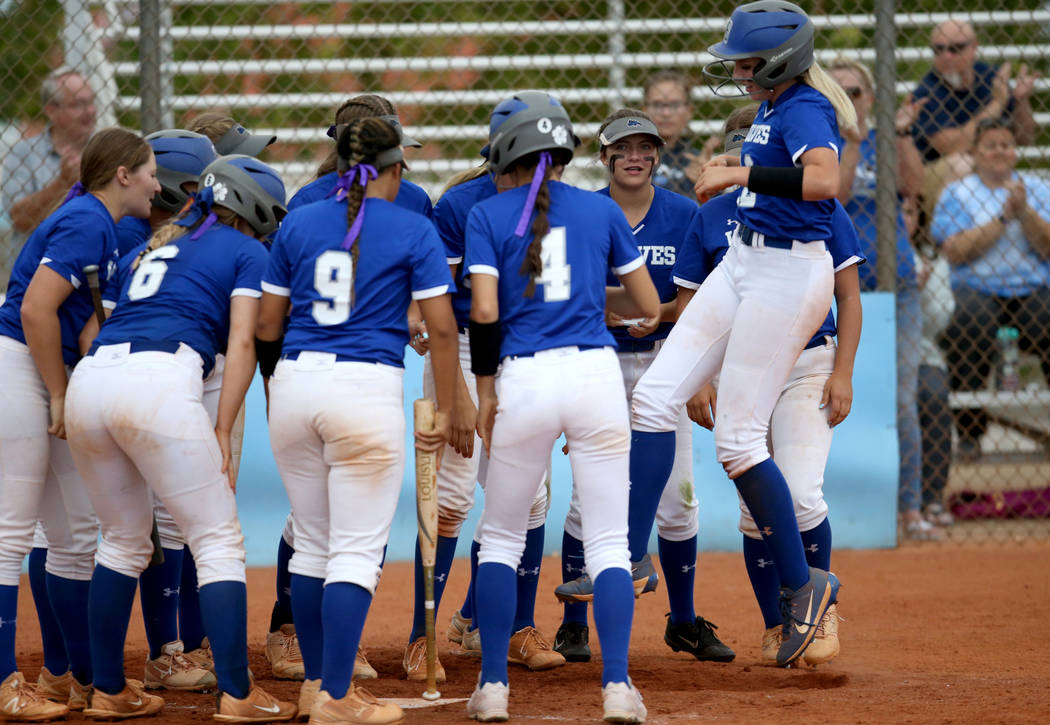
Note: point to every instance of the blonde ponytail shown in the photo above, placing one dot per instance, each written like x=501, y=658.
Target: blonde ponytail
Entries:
x=817, y=78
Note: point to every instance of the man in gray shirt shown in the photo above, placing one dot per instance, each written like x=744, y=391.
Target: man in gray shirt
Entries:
x=39, y=170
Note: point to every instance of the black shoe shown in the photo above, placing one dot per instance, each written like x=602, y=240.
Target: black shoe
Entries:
x=571, y=642
x=698, y=639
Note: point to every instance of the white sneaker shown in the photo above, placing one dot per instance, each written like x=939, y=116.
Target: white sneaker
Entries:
x=623, y=703
x=489, y=703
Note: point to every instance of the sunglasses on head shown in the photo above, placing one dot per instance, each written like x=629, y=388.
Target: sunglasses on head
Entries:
x=953, y=48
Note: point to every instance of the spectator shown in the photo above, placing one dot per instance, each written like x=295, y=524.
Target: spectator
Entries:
x=935, y=414
x=667, y=98
x=963, y=91
x=857, y=193
x=39, y=170
x=993, y=226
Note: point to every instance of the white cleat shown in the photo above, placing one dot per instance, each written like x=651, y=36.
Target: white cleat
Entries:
x=488, y=703
x=623, y=703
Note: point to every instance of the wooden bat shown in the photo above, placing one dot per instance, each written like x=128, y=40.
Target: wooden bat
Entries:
x=91, y=272
x=426, y=515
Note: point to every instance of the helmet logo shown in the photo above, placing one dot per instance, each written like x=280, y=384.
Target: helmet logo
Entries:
x=220, y=191
x=781, y=54
x=729, y=29
x=631, y=123
x=209, y=179
x=544, y=125
x=560, y=134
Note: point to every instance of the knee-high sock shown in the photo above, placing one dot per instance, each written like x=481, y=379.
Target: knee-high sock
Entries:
x=766, y=494
x=69, y=602
x=55, y=659
x=307, y=597
x=529, y=578
x=467, y=610
x=224, y=606
x=8, y=620
x=765, y=581
x=282, y=608
x=613, y=614
x=572, y=568
x=817, y=543
x=678, y=561
x=191, y=626
x=494, y=619
x=344, y=609
x=159, y=594
x=446, y=550
x=109, y=609
x=652, y=456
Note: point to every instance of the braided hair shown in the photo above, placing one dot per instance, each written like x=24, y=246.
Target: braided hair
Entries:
x=533, y=262
x=368, y=105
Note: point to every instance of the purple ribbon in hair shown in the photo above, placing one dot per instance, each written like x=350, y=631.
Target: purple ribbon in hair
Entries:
x=76, y=190
x=205, y=226
x=534, y=189
x=359, y=174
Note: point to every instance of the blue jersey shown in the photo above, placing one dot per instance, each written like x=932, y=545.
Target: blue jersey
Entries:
x=450, y=218
x=181, y=292
x=132, y=232
x=399, y=259
x=409, y=196
x=802, y=119
x=716, y=225
x=79, y=233
x=659, y=236
x=589, y=236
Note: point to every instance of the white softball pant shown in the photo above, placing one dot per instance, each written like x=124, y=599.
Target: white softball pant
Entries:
x=457, y=476
x=38, y=480
x=747, y=323
x=137, y=427
x=676, y=516
x=800, y=439
x=337, y=430
x=580, y=393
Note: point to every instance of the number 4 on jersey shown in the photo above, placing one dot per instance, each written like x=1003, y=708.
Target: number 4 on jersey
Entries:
x=556, y=275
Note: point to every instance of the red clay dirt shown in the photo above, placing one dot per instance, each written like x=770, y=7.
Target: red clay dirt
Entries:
x=931, y=635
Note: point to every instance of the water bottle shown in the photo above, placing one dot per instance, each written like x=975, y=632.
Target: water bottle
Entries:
x=1009, y=377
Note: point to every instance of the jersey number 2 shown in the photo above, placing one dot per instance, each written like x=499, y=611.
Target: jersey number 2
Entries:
x=150, y=273
x=333, y=276
x=556, y=275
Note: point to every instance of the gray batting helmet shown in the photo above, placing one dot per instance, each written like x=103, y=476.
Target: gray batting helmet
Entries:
x=248, y=187
x=779, y=33
x=539, y=123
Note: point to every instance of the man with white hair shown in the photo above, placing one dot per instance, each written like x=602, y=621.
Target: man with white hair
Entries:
x=961, y=91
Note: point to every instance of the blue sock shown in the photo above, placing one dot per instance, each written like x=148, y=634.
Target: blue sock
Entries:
x=191, y=626
x=307, y=594
x=766, y=494
x=762, y=571
x=8, y=620
x=282, y=608
x=613, y=612
x=678, y=561
x=55, y=659
x=446, y=550
x=159, y=595
x=467, y=609
x=344, y=608
x=817, y=543
x=493, y=582
x=109, y=610
x=652, y=455
x=529, y=578
x=224, y=607
x=69, y=602
x=572, y=567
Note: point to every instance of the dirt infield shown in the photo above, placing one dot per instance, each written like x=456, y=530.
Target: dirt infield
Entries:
x=932, y=635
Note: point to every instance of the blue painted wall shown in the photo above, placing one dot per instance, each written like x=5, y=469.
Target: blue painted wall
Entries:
x=860, y=482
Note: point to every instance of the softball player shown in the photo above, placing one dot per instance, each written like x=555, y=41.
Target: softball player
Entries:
x=816, y=397
x=538, y=299
x=336, y=410
x=630, y=146
x=199, y=286
x=753, y=316
x=41, y=320
x=460, y=473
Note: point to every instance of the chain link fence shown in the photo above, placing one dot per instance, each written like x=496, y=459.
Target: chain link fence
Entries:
x=961, y=105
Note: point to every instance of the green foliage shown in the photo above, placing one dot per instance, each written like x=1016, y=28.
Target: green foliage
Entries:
x=30, y=33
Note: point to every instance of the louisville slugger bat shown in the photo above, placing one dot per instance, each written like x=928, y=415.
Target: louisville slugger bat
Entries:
x=426, y=515
x=91, y=272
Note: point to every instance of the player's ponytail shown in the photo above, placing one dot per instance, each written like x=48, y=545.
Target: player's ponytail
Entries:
x=817, y=78
x=361, y=146
x=538, y=203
